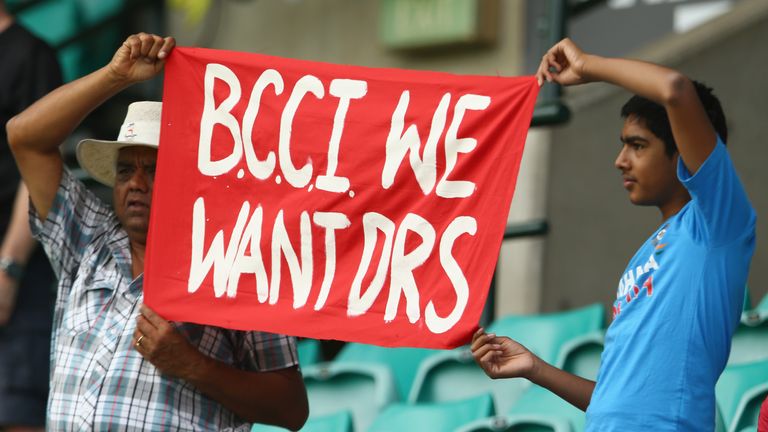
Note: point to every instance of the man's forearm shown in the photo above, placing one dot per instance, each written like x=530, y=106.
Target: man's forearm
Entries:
x=276, y=398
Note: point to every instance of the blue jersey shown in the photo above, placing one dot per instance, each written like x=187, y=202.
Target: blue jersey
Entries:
x=677, y=306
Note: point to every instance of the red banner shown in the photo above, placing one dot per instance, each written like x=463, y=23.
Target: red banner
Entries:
x=329, y=201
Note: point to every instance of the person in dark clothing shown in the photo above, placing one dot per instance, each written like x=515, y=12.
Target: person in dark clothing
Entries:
x=29, y=71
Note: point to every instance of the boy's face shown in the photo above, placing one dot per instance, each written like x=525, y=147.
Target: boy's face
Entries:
x=649, y=174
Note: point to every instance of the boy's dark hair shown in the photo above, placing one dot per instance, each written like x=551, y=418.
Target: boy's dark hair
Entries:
x=656, y=120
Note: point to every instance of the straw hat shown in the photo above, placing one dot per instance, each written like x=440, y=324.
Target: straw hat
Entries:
x=141, y=127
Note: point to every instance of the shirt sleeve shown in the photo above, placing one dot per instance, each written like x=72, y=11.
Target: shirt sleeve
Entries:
x=265, y=352
x=76, y=217
x=724, y=213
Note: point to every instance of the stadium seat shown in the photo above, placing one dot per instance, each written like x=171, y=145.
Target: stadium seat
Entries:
x=740, y=391
x=403, y=362
x=581, y=356
x=749, y=344
x=96, y=11
x=545, y=334
x=362, y=389
x=336, y=422
x=452, y=375
x=538, y=401
x=309, y=352
x=55, y=22
x=100, y=46
x=433, y=417
x=52, y=21
x=518, y=423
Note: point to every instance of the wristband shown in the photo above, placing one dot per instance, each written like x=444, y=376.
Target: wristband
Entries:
x=10, y=267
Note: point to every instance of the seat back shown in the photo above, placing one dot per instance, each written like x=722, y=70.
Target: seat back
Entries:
x=740, y=390
x=518, y=423
x=55, y=22
x=336, y=422
x=433, y=417
x=452, y=375
x=581, y=356
x=749, y=343
x=402, y=362
x=538, y=401
x=362, y=389
x=309, y=352
x=546, y=334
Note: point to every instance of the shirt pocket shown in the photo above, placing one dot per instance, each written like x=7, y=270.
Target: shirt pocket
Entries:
x=87, y=305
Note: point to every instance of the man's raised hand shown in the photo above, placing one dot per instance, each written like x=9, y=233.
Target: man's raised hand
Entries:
x=141, y=57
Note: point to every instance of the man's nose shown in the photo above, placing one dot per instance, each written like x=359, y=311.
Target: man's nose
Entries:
x=139, y=180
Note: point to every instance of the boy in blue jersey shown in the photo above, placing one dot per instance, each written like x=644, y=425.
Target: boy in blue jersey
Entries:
x=679, y=300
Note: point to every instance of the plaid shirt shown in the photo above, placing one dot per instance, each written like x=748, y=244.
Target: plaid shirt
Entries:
x=98, y=380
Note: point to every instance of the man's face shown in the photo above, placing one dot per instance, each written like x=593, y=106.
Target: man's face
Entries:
x=132, y=195
x=649, y=174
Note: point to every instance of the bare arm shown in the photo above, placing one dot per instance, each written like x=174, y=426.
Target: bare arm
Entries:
x=694, y=134
x=17, y=246
x=276, y=398
x=502, y=357
x=36, y=134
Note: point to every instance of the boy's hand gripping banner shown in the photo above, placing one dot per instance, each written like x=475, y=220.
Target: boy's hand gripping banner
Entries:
x=329, y=201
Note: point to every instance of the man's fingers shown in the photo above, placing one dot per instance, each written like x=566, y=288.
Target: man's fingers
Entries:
x=155, y=319
x=147, y=40
x=145, y=327
x=134, y=46
x=168, y=44
x=157, y=45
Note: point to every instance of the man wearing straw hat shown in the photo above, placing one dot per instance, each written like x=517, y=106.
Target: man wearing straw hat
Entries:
x=116, y=364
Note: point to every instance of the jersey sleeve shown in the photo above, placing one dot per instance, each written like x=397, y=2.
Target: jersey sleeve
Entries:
x=723, y=211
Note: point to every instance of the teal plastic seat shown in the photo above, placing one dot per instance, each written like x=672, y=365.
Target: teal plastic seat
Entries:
x=453, y=374
x=546, y=334
x=402, y=362
x=581, y=356
x=758, y=315
x=538, y=401
x=336, y=422
x=52, y=21
x=763, y=305
x=96, y=11
x=362, y=389
x=55, y=22
x=749, y=343
x=518, y=423
x=740, y=391
x=433, y=417
x=309, y=352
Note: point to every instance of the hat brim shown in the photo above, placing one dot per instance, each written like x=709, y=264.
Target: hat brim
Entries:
x=99, y=158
